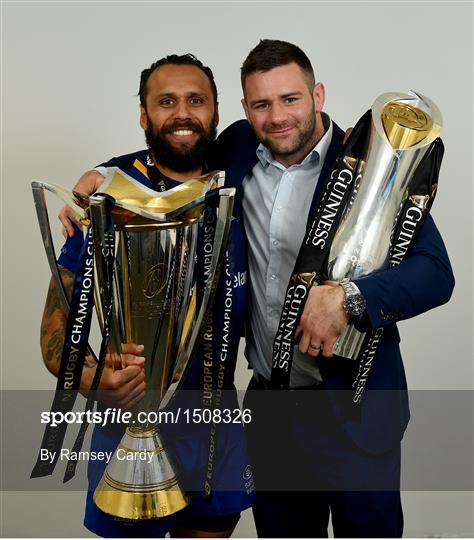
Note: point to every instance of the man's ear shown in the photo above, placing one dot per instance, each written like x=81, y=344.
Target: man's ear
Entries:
x=318, y=96
x=143, y=118
x=216, y=116
x=246, y=108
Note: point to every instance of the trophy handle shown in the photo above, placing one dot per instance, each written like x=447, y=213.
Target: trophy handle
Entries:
x=45, y=228
x=99, y=219
x=69, y=198
x=188, y=350
x=43, y=220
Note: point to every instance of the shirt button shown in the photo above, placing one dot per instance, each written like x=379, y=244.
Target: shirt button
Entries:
x=273, y=276
x=275, y=242
x=279, y=207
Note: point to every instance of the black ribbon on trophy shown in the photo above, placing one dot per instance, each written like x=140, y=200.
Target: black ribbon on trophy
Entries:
x=389, y=165
x=413, y=212
x=72, y=359
x=107, y=245
x=222, y=328
x=207, y=351
x=217, y=328
x=75, y=351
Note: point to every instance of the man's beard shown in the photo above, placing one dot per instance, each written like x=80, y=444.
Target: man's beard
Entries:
x=305, y=133
x=187, y=157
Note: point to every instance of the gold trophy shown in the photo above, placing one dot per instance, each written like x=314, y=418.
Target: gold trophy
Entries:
x=154, y=304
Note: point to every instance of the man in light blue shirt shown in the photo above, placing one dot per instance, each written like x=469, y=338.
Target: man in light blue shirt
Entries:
x=276, y=202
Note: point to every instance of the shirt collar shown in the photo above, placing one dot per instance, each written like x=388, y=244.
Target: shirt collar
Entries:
x=317, y=153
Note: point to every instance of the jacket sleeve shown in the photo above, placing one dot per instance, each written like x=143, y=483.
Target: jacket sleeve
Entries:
x=421, y=282
x=235, y=148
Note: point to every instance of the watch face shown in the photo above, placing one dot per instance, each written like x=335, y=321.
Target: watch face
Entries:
x=355, y=305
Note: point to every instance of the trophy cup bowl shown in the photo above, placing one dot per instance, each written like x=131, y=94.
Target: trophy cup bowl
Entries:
x=403, y=128
x=154, y=304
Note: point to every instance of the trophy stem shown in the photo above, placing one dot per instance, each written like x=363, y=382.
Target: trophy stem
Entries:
x=139, y=482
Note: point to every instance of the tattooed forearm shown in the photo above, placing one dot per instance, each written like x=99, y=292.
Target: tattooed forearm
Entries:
x=53, y=324
x=54, y=345
x=52, y=300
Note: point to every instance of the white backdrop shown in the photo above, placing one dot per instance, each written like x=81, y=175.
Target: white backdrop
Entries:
x=70, y=73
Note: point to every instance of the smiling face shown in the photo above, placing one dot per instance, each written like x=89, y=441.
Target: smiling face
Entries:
x=180, y=117
x=284, y=112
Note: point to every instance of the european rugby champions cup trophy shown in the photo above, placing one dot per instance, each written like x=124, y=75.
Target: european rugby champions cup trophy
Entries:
x=377, y=196
x=144, y=266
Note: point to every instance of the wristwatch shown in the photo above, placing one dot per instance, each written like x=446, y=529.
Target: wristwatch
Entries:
x=354, y=302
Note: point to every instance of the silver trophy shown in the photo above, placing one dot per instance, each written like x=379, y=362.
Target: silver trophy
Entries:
x=154, y=304
x=403, y=127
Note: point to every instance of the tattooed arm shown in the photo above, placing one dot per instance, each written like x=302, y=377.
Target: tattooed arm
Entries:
x=53, y=324
x=122, y=387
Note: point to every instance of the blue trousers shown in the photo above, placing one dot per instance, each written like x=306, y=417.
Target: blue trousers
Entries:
x=307, y=469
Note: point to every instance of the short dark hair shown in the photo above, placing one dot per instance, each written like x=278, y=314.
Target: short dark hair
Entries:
x=272, y=53
x=187, y=59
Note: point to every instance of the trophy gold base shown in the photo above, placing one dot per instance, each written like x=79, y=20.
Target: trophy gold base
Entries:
x=139, y=482
x=139, y=505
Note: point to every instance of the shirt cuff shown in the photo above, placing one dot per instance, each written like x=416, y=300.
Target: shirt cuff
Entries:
x=101, y=170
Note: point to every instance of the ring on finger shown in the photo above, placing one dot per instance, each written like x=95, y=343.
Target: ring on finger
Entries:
x=315, y=347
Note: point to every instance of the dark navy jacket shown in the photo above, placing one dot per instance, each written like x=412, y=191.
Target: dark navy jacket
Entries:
x=421, y=282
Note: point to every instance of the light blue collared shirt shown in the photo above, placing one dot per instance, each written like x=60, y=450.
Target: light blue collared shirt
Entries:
x=276, y=203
